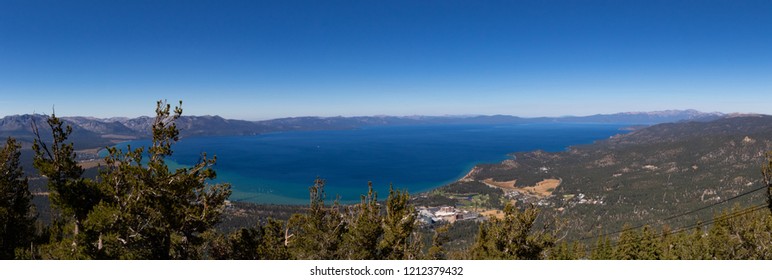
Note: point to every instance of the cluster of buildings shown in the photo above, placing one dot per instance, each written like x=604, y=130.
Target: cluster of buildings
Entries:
x=580, y=198
x=526, y=199
x=552, y=201
x=430, y=215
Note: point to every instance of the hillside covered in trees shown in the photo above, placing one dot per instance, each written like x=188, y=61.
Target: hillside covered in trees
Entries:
x=649, y=176
x=136, y=208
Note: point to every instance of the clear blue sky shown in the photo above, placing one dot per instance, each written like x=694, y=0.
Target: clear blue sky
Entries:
x=267, y=59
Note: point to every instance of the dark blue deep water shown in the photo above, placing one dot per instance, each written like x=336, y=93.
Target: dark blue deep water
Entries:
x=279, y=167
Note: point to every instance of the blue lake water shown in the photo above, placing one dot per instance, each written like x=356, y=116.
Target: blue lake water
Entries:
x=279, y=167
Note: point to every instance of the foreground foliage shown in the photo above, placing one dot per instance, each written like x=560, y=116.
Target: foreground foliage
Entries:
x=16, y=212
x=134, y=210
x=512, y=237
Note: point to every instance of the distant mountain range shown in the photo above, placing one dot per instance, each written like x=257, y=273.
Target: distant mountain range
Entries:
x=89, y=132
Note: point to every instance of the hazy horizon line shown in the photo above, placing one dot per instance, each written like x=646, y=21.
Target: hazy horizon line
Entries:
x=414, y=115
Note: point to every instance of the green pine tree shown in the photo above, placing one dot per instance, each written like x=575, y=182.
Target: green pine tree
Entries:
x=437, y=251
x=273, y=245
x=360, y=242
x=650, y=247
x=71, y=196
x=628, y=244
x=697, y=247
x=398, y=242
x=16, y=212
x=149, y=211
x=561, y=251
x=482, y=248
x=603, y=249
x=133, y=211
x=318, y=233
x=513, y=237
x=262, y=242
x=567, y=251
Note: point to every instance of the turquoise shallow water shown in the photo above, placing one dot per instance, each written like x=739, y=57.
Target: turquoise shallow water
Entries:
x=279, y=167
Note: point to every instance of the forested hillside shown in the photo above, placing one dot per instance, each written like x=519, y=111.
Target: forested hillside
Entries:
x=650, y=176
